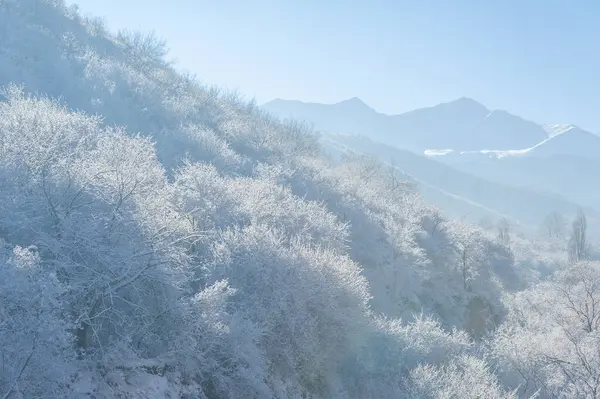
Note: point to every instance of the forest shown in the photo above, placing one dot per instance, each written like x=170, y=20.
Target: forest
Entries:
x=162, y=238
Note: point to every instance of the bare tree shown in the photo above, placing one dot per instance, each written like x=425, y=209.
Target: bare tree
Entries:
x=486, y=223
x=468, y=255
x=577, y=300
x=504, y=231
x=580, y=297
x=397, y=180
x=554, y=225
x=143, y=51
x=562, y=317
x=578, y=246
x=436, y=222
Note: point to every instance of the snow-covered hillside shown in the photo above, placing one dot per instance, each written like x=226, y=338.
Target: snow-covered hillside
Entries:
x=162, y=239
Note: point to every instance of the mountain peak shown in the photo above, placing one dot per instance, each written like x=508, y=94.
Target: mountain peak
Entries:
x=465, y=99
x=353, y=102
x=467, y=104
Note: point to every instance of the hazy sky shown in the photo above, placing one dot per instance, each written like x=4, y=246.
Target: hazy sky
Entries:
x=538, y=59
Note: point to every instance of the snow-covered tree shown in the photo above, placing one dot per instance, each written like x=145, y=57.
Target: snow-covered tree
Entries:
x=550, y=340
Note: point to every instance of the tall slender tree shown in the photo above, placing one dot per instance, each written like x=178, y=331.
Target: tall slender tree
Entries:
x=578, y=246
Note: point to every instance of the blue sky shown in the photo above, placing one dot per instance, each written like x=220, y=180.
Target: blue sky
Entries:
x=537, y=59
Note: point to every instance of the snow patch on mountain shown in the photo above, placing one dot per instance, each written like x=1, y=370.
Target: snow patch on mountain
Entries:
x=562, y=140
x=555, y=129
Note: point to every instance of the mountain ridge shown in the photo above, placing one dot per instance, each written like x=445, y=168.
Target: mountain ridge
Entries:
x=462, y=124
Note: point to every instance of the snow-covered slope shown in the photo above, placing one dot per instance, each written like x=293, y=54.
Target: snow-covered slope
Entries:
x=161, y=239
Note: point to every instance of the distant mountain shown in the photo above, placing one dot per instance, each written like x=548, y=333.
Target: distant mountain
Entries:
x=574, y=177
x=570, y=141
x=463, y=124
x=458, y=192
x=566, y=163
x=350, y=116
x=565, y=140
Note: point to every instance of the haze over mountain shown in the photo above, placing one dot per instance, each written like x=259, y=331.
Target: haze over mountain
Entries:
x=164, y=239
x=570, y=176
x=556, y=161
x=460, y=125
x=570, y=141
x=457, y=192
